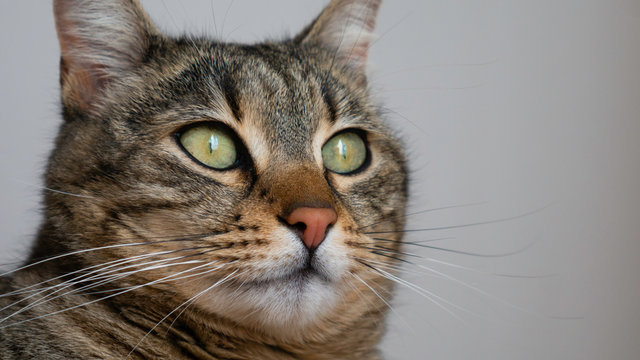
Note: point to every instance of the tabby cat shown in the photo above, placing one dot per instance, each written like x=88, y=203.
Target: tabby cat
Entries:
x=209, y=200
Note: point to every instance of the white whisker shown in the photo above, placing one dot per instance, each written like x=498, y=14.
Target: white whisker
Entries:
x=423, y=292
x=373, y=291
x=47, y=298
x=79, y=252
x=474, y=288
x=103, y=267
x=167, y=281
x=76, y=280
x=193, y=298
x=100, y=299
x=57, y=191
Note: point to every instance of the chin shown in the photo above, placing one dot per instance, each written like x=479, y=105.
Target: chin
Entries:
x=284, y=306
x=285, y=302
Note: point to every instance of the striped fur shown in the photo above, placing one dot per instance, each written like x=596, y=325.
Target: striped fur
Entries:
x=145, y=253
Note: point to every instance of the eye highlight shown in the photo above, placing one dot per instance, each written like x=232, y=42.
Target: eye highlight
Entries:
x=344, y=153
x=210, y=144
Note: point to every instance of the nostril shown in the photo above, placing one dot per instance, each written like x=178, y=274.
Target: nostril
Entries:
x=313, y=223
x=298, y=228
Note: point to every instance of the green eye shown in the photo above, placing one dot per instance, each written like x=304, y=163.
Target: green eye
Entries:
x=211, y=145
x=344, y=153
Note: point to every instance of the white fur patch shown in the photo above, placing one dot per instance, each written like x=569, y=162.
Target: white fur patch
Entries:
x=282, y=298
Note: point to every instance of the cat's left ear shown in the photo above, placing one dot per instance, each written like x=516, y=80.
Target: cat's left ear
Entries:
x=345, y=27
x=101, y=42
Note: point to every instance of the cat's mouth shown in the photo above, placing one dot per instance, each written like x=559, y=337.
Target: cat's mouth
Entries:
x=304, y=275
x=297, y=278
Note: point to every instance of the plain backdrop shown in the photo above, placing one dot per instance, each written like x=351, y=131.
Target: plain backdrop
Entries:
x=507, y=108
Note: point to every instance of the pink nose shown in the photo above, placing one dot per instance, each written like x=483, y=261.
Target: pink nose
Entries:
x=315, y=220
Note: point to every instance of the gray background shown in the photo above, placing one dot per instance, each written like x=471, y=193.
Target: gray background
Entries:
x=511, y=106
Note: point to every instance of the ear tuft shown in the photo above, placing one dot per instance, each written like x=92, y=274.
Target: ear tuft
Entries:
x=346, y=27
x=100, y=41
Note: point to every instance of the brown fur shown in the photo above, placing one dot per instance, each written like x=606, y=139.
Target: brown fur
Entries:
x=131, y=192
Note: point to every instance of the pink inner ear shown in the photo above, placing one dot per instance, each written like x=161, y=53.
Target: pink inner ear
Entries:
x=97, y=50
x=82, y=83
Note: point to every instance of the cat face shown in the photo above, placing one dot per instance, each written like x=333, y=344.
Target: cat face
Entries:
x=190, y=158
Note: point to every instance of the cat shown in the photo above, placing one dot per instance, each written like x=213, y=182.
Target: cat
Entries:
x=210, y=200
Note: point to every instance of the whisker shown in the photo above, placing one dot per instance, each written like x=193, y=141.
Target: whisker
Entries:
x=110, y=263
x=120, y=275
x=426, y=211
x=56, y=190
x=403, y=242
x=398, y=268
x=474, y=288
x=443, y=263
x=390, y=266
x=375, y=292
x=169, y=280
x=519, y=276
x=480, y=223
x=193, y=298
x=224, y=19
x=384, y=249
x=70, y=282
x=238, y=288
x=460, y=266
x=97, y=300
x=172, y=239
x=68, y=193
x=114, y=263
x=461, y=252
x=489, y=273
x=391, y=257
x=101, y=277
x=412, y=123
x=421, y=291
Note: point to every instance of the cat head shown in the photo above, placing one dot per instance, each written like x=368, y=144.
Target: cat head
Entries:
x=257, y=180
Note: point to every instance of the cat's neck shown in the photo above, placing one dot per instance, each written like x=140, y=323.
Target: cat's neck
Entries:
x=203, y=333
x=190, y=333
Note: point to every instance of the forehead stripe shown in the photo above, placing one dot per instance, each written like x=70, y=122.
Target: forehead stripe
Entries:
x=231, y=96
x=328, y=98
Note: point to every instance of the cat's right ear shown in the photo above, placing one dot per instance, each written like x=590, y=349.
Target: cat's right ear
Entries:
x=100, y=42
